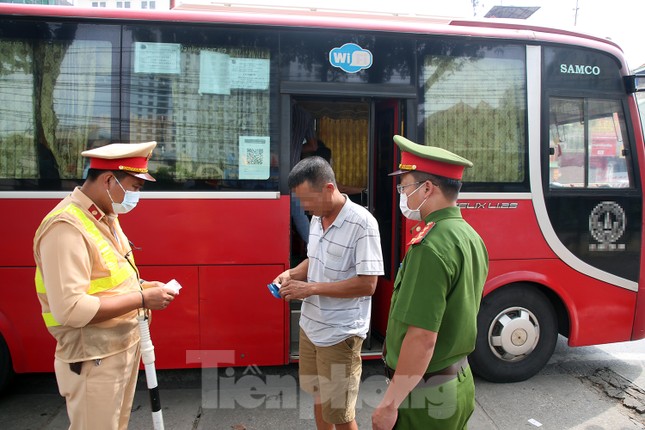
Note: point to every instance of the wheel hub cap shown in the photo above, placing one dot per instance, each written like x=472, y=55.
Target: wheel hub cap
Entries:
x=514, y=334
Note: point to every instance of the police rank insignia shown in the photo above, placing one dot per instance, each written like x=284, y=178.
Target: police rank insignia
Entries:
x=419, y=237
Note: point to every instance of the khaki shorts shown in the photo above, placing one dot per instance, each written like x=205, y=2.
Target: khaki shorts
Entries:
x=333, y=373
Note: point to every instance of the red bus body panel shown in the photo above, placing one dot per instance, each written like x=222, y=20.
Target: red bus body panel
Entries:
x=224, y=303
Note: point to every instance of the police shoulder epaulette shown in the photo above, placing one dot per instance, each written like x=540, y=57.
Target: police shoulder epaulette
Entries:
x=419, y=237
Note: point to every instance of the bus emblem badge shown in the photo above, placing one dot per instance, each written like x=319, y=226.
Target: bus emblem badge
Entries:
x=607, y=225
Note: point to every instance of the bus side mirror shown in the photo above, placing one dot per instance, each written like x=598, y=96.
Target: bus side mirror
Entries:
x=635, y=83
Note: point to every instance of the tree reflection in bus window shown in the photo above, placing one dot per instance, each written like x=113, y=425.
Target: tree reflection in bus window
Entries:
x=212, y=128
x=57, y=102
x=587, y=144
x=474, y=103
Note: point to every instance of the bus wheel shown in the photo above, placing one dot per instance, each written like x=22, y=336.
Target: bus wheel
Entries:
x=6, y=368
x=516, y=334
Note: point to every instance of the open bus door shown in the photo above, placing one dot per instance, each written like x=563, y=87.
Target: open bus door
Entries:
x=358, y=132
x=384, y=206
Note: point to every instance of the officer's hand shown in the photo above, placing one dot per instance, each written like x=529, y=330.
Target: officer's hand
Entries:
x=158, y=298
x=384, y=417
x=152, y=284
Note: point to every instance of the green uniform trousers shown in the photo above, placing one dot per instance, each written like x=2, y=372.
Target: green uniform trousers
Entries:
x=438, y=404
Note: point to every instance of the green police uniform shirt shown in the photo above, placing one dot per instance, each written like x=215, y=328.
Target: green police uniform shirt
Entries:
x=438, y=288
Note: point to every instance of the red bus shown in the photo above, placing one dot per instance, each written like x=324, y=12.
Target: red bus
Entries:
x=548, y=117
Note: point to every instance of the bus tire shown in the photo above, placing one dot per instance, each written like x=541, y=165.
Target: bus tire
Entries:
x=6, y=366
x=516, y=334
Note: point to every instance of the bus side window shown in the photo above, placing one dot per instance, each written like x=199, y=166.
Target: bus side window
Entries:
x=587, y=144
x=607, y=160
x=567, y=148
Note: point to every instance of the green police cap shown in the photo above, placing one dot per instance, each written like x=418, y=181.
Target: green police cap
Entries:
x=429, y=159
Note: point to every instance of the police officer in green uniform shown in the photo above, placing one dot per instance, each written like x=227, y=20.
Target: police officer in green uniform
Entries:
x=433, y=315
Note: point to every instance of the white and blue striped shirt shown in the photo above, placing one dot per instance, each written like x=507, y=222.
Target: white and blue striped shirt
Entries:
x=351, y=246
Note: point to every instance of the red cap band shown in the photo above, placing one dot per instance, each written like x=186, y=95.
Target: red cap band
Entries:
x=134, y=164
x=414, y=163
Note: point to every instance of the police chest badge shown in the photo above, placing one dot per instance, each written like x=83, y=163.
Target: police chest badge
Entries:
x=419, y=237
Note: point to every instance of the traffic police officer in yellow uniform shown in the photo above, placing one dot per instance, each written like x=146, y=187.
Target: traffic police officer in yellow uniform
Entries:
x=432, y=323
x=90, y=291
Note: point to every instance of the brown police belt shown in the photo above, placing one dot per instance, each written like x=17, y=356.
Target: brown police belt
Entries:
x=451, y=370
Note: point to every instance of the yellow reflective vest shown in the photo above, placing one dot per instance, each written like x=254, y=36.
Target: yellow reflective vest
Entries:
x=111, y=274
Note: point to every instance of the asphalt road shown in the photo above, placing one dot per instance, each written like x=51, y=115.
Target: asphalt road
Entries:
x=590, y=388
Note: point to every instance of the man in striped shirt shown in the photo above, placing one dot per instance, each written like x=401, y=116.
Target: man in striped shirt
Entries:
x=335, y=283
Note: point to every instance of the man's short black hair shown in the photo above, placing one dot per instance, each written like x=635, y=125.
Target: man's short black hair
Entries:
x=314, y=170
x=449, y=187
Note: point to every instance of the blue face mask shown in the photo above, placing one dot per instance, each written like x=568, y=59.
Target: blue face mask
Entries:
x=129, y=202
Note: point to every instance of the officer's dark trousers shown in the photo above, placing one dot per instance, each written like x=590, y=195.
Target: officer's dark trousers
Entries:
x=443, y=403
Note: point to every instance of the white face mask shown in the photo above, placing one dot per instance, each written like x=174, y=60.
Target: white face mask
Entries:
x=411, y=214
x=129, y=202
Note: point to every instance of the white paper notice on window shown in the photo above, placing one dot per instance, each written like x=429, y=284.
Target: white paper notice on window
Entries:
x=250, y=73
x=214, y=73
x=157, y=58
x=254, y=161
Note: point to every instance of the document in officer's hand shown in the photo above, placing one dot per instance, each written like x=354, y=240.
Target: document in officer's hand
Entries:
x=173, y=285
